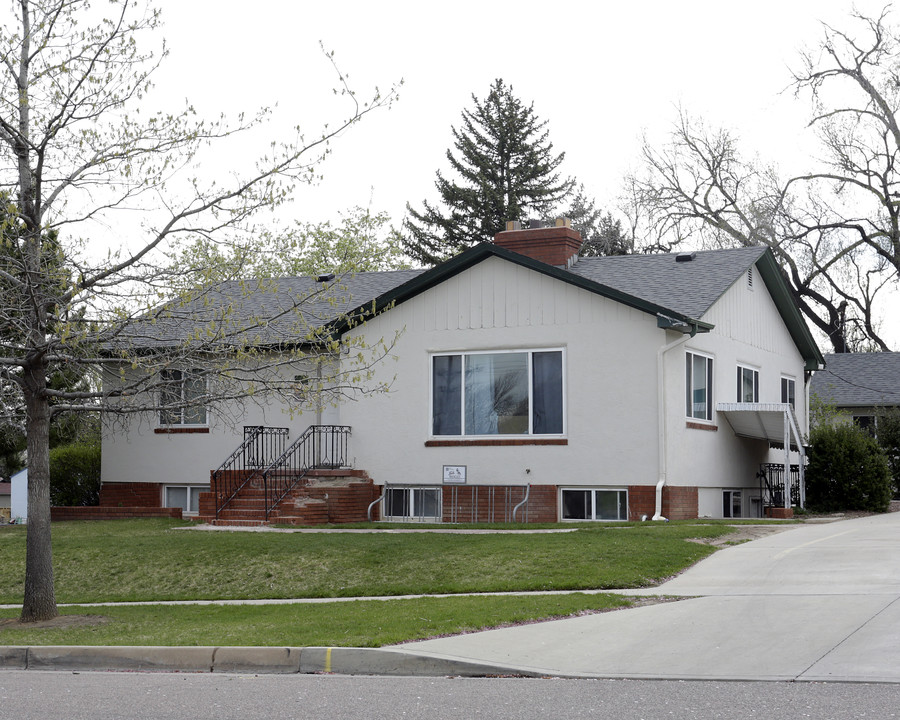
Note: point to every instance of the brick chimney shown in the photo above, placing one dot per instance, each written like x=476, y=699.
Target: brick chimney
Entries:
x=557, y=245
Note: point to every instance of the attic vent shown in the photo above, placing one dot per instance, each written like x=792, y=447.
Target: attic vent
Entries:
x=324, y=278
x=750, y=278
x=685, y=257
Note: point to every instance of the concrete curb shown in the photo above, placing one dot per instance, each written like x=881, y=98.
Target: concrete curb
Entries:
x=255, y=660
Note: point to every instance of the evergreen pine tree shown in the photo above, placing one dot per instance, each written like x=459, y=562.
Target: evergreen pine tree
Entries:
x=506, y=170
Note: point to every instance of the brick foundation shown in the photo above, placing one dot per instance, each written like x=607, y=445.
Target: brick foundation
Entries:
x=678, y=503
x=495, y=503
x=98, y=512
x=138, y=495
x=779, y=513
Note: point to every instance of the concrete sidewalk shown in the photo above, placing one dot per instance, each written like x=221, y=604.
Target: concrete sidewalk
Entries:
x=819, y=602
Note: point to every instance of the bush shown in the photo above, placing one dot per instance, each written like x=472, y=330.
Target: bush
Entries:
x=847, y=471
x=75, y=474
x=888, y=425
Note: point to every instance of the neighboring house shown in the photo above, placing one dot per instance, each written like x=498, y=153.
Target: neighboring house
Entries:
x=857, y=385
x=528, y=383
x=18, y=499
x=5, y=492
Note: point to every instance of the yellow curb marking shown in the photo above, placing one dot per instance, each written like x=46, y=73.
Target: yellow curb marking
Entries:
x=328, y=660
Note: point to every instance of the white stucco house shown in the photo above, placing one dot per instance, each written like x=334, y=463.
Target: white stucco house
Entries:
x=526, y=382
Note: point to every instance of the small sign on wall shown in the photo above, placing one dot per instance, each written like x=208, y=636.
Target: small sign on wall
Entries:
x=454, y=474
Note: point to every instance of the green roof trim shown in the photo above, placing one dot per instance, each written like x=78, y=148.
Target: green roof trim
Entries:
x=482, y=252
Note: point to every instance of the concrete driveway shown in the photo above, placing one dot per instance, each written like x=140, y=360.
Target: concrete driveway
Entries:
x=814, y=603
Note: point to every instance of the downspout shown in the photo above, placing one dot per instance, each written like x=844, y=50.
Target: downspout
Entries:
x=661, y=419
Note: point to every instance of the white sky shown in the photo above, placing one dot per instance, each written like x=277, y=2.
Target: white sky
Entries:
x=600, y=73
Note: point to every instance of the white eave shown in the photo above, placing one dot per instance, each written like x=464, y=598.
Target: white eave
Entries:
x=762, y=421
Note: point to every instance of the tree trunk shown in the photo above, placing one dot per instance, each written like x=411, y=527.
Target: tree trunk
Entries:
x=40, y=596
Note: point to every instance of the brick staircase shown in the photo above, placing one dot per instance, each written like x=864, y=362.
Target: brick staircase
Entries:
x=323, y=496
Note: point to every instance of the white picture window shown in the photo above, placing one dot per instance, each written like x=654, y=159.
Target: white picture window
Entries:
x=789, y=391
x=699, y=386
x=498, y=393
x=181, y=398
x=186, y=497
x=423, y=504
x=747, y=384
x=594, y=504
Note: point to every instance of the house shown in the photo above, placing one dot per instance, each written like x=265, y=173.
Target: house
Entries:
x=18, y=499
x=857, y=385
x=527, y=383
x=5, y=492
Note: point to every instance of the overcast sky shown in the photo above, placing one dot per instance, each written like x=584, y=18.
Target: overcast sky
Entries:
x=601, y=74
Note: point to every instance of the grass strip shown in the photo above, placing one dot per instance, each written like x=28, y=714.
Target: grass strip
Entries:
x=358, y=623
x=148, y=559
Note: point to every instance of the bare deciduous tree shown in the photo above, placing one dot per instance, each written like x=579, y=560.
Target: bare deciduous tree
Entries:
x=79, y=149
x=834, y=230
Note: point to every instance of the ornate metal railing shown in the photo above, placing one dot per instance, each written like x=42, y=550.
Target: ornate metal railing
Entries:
x=261, y=445
x=771, y=476
x=320, y=446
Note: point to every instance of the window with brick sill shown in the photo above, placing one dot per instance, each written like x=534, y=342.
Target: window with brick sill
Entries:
x=181, y=399
x=698, y=386
x=517, y=394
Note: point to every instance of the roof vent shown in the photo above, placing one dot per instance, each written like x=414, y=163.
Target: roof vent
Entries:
x=535, y=224
x=685, y=257
x=325, y=278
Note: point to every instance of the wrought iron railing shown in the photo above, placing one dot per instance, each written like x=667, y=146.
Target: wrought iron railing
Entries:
x=771, y=476
x=320, y=446
x=261, y=445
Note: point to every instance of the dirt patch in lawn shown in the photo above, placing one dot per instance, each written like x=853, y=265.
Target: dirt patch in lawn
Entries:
x=59, y=622
x=742, y=534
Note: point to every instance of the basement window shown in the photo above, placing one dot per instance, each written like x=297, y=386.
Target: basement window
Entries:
x=186, y=497
x=412, y=504
x=594, y=504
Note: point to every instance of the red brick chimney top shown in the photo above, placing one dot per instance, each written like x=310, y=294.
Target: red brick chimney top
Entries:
x=557, y=245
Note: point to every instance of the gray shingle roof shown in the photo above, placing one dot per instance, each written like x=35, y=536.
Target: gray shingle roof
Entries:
x=859, y=379
x=690, y=288
x=267, y=312
x=287, y=310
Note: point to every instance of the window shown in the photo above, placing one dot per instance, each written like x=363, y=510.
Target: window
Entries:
x=501, y=393
x=731, y=504
x=747, y=385
x=186, y=497
x=866, y=422
x=181, y=398
x=699, y=385
x=594, y=504
x=788, y=391
x=412, y=504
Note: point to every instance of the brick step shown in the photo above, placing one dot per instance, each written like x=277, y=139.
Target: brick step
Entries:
x=237, y=523
x=231, y=514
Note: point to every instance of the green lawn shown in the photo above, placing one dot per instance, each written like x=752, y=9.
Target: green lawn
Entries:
x=133, y=560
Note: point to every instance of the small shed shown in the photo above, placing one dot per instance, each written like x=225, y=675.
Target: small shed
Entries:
x=19, y=496
x=5, y=490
